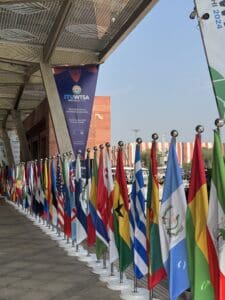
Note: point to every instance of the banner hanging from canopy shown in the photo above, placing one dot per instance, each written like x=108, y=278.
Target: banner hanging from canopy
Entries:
x=76, y=87
x=211, y=14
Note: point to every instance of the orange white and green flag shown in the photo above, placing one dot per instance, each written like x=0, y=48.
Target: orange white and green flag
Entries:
x=121, y=215
x=156, y=269
x=196, y=229
x=216, y=221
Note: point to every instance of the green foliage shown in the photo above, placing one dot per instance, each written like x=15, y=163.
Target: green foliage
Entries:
x=145, y=159
x=187, y=167
x=207, y=157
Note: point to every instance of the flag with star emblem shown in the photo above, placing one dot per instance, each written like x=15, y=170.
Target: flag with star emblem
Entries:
x=196, y=221
x=91, y=236
x=216, y=221
x=156, y=268
x=172, y=226
x=121, y=215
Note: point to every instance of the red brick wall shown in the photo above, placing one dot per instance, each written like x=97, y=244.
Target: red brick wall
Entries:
x=100, y=127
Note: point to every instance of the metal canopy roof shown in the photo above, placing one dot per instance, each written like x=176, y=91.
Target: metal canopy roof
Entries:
x=60, y=32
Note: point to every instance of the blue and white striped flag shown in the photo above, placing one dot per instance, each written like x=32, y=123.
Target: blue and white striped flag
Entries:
x=138, y=220
x=172, y=226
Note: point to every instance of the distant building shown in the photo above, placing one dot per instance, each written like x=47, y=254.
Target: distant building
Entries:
x=184, y=151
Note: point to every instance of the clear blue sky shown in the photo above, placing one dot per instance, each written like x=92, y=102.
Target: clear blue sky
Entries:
x=158, y=78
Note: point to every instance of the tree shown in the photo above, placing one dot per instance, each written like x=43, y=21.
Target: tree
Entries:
x=207, y=157
x=187, y=167
x=145, y=159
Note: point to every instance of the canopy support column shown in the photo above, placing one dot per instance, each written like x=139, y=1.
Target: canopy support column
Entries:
x=25, y=152
x=58, y=119
x=8, y=147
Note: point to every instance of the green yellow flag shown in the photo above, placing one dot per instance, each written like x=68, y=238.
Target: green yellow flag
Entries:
x=121, y=215
x=196, y=229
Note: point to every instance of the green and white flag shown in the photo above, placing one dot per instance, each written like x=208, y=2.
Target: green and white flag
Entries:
x=211, y=15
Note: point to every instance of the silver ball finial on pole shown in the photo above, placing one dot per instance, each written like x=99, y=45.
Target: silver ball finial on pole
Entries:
x=139, y=140
x=174, y=133
x=121, y=143
x=219, y=123
x=199, y=129
x=155, y=136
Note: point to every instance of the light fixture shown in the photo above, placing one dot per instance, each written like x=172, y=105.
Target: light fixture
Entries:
x=193, y=14
x=206, y=16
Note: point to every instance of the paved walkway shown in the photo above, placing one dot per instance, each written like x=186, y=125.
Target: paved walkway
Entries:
x=33, y=267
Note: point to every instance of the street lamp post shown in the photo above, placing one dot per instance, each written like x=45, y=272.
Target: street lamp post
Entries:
x=135, y=130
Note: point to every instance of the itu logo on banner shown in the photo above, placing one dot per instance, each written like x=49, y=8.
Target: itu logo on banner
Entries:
x=76, y=90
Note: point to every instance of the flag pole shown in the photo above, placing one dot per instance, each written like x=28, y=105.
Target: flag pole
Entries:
x=121, y=144
x=111, y=269
x=88, y=196
x=154, y=139
x=121, y=277
x=104, y=261
x=135, y=284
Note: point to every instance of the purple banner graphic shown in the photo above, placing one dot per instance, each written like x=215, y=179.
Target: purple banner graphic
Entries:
x=76, y=88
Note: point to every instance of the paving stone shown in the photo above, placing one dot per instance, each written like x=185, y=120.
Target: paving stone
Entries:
x=32, y=266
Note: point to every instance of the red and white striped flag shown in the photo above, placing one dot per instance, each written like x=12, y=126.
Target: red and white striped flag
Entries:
x=60, y=200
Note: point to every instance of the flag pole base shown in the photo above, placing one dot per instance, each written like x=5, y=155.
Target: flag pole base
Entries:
x=139, y=294
x=88, y=258
x=116, y=285
x=57, y=238
x=94, y=264
x=110, y=278
x=77, y=253
x=64, y=245
x=51, y=233
x=100, y=270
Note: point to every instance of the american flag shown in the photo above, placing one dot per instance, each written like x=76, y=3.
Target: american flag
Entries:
x=60, y=200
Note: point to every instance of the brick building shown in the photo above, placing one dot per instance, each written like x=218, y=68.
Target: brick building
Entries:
x=41, y=135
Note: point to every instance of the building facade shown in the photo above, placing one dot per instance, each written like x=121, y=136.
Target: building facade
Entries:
x=41, y=134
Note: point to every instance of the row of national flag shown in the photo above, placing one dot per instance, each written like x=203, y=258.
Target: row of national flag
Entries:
x=176, y=238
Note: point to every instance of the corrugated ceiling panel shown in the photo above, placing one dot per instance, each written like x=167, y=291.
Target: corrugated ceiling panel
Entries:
x=28, y=22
